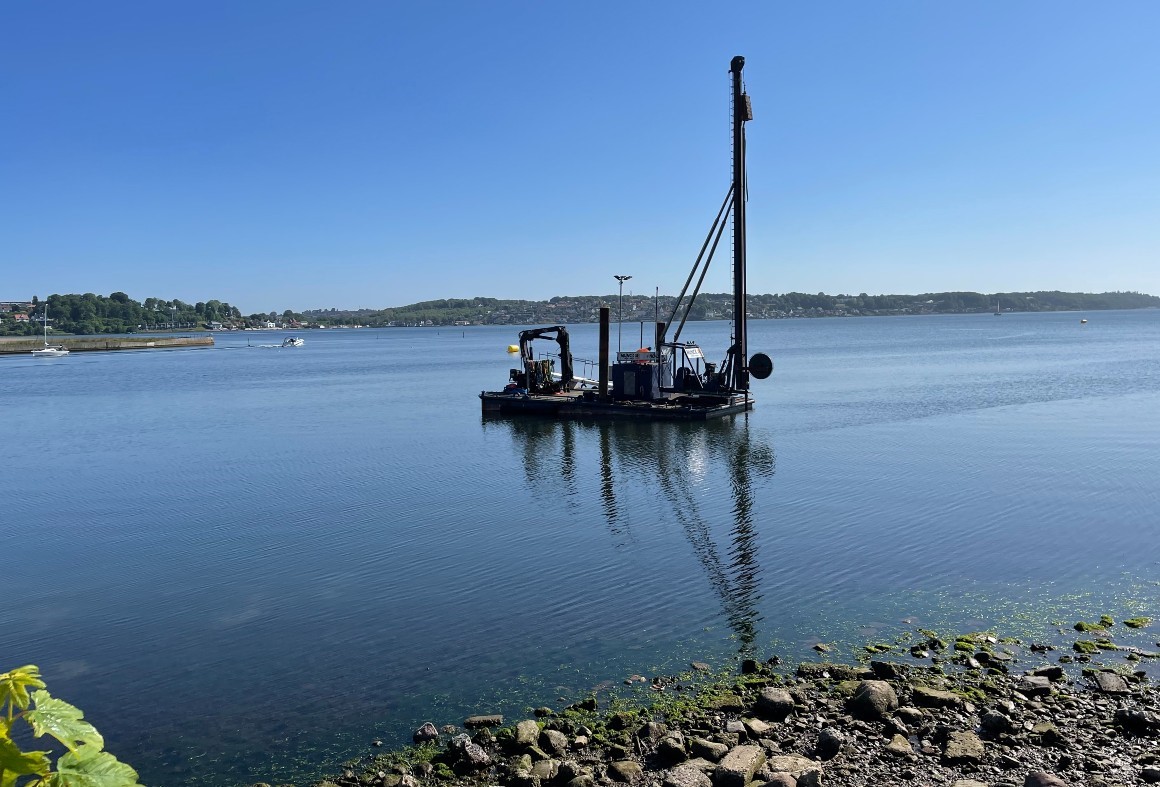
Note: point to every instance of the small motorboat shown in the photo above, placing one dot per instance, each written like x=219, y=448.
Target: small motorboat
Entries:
x=293, y=341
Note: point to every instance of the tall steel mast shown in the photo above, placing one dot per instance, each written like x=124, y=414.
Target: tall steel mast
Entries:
x=742, y=112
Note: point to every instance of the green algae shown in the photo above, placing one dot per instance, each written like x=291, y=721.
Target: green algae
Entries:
x=1086, y=627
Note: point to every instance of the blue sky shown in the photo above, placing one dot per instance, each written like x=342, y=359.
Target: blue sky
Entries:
x=354, y=154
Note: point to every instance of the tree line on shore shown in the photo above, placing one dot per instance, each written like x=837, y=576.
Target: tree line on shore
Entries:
x=118, y=313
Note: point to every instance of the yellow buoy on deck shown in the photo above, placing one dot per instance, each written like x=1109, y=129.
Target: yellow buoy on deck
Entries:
x=513, y=348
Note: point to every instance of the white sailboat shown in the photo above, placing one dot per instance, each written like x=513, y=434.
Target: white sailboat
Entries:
x=997, y=312
x=49, y=350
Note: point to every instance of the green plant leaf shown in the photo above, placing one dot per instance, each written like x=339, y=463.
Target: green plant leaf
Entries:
x=62, y=721
x=87, y=766
x=14, y=762
x=14, y=685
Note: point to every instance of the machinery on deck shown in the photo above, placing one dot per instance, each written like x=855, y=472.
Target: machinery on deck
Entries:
x=538, y=375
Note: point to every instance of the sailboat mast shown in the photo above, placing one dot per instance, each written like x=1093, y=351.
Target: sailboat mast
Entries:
x=742, y=112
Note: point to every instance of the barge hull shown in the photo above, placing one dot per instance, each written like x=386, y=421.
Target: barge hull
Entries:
x=574, y=407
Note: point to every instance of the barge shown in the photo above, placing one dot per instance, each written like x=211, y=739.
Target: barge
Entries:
x=673, y=382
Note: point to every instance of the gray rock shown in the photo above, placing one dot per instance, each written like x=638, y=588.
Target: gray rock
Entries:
x=1046, y=734
x=583, y=780
x=546, y=770
x=1150, y=774
x=968, y=783
x=756, y=728
x=781, y=779
x=427, y=732
x=935, y=698
x=909, y=715
x=888, y=670
x=626, y=771
x=1052, y=672
x=774, y=704
x=554, y=742
x=830, y=742
x=873, y=700
x=1034, y=685
x=476, y=756
x=687, y=776
x=703, y=765
x=1043, y=779
x=811, y=777
x=993, y=722
x=710, y=750
x=569, y=770
x=1137, y=722
x=737, y=768
x=671, y=748
x=814, y=671
x=492, y=720
x=1111, y=683
x=618, y=751
x=527, y=733
x=963, y=748
x=793, y=764
x=652, y=731
x=899, y=746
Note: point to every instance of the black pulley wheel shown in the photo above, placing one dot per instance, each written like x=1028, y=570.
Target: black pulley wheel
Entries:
x=760, y=366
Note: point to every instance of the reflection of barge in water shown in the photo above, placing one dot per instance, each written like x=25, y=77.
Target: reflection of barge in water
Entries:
x=674, y=382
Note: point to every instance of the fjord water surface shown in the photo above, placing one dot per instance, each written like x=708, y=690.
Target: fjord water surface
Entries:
x=245, y=563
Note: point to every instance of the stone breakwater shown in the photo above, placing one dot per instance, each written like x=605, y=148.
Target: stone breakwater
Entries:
x=105, y=344
x=971, y=720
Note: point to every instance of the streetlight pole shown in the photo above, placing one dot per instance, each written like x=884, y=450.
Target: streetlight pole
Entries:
x=620, y=309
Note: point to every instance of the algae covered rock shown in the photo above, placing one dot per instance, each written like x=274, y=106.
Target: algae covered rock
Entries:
x=927, y=697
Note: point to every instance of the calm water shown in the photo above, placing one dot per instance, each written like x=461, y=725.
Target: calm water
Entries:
x=248, y=562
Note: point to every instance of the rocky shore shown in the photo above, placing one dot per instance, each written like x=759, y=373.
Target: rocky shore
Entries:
x=975, y=711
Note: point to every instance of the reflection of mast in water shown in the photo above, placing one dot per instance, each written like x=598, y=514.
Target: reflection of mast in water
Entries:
x=735, y=583
x=743, y=550
x=677, y=454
